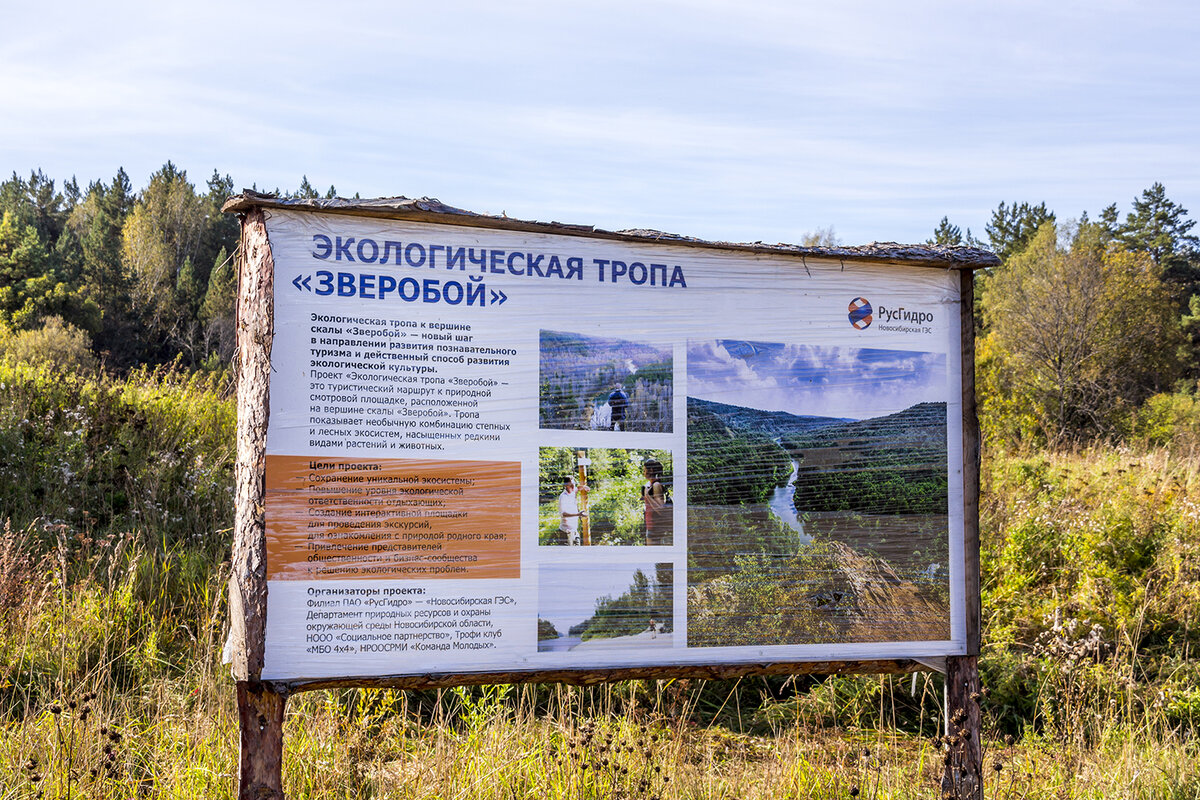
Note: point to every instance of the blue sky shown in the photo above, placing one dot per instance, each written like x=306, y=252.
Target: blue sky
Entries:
x=808, y=380
x=738, y=121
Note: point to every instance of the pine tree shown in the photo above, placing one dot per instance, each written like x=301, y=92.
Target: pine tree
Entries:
x=161, y=233
x=306, y=190
x=947, y=234
x=1012, y=227
x=216, y=312
x=1159, y=226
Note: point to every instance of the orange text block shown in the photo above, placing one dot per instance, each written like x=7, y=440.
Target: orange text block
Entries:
x=351, y=518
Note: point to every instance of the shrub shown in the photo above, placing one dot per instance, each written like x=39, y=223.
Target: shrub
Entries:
x=57, y=343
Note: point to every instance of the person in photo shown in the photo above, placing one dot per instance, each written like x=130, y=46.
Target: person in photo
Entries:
x=569, y=513
x=656, y=501
x=618, y=401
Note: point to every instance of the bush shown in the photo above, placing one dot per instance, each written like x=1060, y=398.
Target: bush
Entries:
x=58, y=344
x=1168, y=420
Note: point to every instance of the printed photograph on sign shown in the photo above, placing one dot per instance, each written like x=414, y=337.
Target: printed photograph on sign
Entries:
x=587, y=608
x=605, y=496
x=817, y=494
x=604, y=384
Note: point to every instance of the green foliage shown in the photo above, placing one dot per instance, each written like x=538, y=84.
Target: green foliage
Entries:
x=546, y=630
x=152, y=451
x=133, y=270
x=30, y=290
x=58, y=344
x=1167, y=420
x=646, y=599
x=947, y=234
x=1013, y=227
x=717, y=535
x=1086, y=332
x=728, y=466
x=894, y=464
x=763, y=599
x=1091, y=577
x=1156, y=225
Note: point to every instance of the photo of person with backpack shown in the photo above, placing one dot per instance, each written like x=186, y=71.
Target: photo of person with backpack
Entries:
x=656, y=500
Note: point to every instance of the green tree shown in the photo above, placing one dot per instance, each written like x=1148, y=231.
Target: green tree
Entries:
x=97, y=221
x=1158, y=226
x=36, y=203
x=221, y=230
x=29, y=286
x=163, y=231
x=946, y=234
x=1086, y=331
x=1013, y=227
x=216, y=312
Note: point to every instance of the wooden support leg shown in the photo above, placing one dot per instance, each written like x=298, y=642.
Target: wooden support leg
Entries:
x=963, y=777
x=260, y=714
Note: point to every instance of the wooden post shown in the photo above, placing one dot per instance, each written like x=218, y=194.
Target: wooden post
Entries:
x=260, y=717
x=970, y=447
x=963, y=775
x=260, y=710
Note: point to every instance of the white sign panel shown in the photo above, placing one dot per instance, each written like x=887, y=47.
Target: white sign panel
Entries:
x=493, y=450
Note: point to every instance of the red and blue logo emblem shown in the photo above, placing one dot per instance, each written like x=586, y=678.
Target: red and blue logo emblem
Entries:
x=860, y=313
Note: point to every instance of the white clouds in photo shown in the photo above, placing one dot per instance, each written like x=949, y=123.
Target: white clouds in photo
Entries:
x=810, y=380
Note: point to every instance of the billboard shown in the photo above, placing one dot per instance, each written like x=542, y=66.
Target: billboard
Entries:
x=500, y=450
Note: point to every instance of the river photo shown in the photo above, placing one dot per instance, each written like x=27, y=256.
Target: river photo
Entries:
x=815, y=512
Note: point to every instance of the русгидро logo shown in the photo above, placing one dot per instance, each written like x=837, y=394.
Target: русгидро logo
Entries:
x=860, y=313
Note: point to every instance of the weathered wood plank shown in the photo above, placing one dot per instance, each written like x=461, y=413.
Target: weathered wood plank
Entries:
x=427, y=209
x=255, y=332
x=584, y=677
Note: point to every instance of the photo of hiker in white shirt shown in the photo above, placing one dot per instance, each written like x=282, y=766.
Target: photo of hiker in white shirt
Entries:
x=569, y=513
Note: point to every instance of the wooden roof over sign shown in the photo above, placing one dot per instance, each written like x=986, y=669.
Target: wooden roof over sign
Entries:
x=430, y=210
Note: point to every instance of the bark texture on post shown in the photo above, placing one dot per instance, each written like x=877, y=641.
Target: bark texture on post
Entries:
x=963, y=776
x=255, y=330
x=970, y=440
x=260, y=718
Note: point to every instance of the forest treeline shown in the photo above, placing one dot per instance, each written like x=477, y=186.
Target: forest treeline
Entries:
x=1088, y=330
x=113, y=276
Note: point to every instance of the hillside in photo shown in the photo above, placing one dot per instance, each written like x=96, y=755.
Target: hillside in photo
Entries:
x=804, y=529
x=579, y=373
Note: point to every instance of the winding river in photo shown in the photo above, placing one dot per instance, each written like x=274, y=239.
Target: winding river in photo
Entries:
x=782, y=504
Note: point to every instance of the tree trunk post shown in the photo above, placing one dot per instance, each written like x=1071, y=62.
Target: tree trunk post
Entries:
x=963, y=775
x=260, y=718
x=260, y=709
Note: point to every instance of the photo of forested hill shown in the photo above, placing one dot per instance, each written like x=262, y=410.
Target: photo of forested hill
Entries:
x=806, y=524
x=894, y=464
x=600, y=383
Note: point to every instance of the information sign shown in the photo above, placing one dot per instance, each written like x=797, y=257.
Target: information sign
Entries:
x=498, y=448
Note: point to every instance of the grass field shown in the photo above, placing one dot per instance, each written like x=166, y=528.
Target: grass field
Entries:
x=113, y=565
